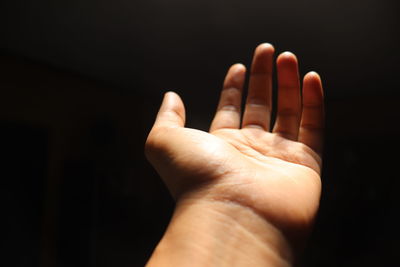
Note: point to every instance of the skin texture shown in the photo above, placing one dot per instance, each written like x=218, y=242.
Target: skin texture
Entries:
x=271, y=175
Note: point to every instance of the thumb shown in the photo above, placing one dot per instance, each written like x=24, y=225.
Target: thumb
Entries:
x=172, y=112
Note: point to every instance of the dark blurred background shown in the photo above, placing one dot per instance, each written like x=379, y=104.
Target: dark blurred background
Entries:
x=81, y=82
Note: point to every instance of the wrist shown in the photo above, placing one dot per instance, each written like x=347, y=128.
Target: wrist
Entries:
x=216, y=233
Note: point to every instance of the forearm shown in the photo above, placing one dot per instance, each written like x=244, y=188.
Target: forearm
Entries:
x=205, y=233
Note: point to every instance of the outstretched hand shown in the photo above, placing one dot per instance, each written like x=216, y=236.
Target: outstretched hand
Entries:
x=273, y=172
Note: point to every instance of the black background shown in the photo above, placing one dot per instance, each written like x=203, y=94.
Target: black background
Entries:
x=81, y=82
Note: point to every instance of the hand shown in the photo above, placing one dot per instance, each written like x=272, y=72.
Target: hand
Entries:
x=276, y=174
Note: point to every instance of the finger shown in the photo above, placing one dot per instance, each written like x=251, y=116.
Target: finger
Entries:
x=289, y=100
x=228, y=111
x=258, y=104
x=172, y=112
x=312, y=120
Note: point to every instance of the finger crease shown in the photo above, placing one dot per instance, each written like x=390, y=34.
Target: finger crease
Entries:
x=229, y=108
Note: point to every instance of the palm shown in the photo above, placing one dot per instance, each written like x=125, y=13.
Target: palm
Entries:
x=264, y=146
x=276, y=174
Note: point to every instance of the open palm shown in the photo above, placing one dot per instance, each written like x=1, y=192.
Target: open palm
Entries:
x=275, y=173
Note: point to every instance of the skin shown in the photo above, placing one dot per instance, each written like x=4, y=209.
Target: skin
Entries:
x=246, y=193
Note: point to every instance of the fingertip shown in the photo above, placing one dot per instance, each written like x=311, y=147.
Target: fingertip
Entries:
x=168, y=100
x=172, y=110
x=265, y=47
x=313, y=75
x=313, y=79
x=172, y=99
x=313, y=93
x=235, y=76
x=170, y=94
x=262, y=59
x=287, y=57
x=238, y=68
x=287, y=54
